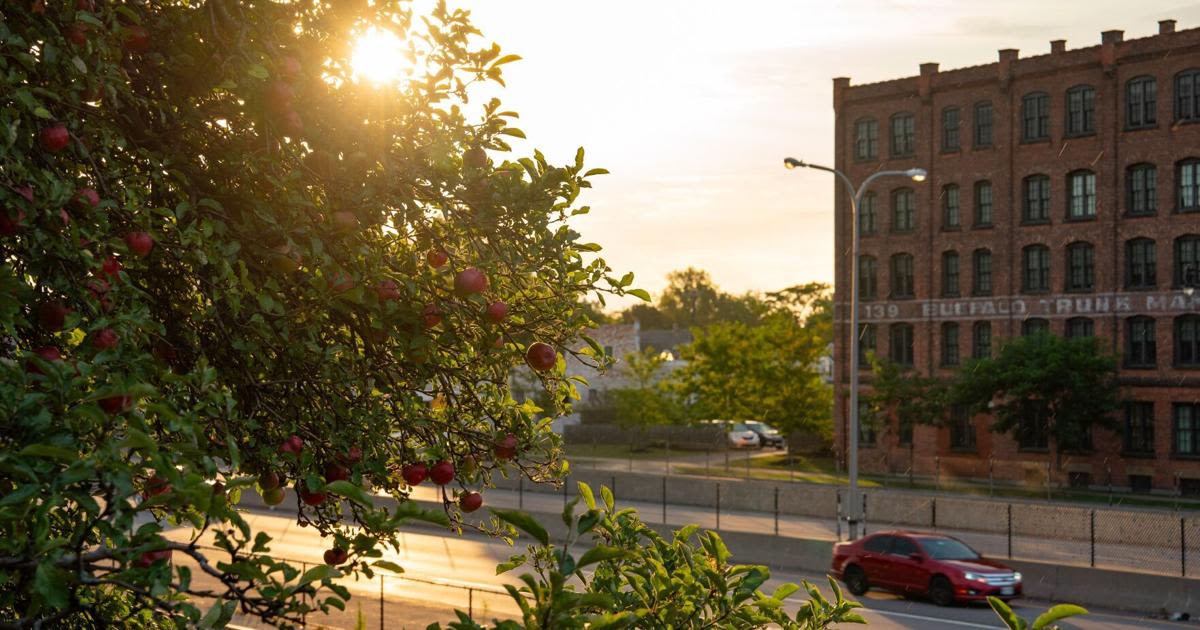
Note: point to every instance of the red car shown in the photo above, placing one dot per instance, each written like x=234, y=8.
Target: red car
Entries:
x=912, y=563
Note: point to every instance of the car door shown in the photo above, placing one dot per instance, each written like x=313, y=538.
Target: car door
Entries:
x=875, y=559
x=906, y=571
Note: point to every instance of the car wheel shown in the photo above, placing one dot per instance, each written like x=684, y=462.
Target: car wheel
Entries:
x=855, y=580
x=941, y=591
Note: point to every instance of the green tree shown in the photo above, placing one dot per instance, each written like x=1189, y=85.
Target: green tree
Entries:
x=1043, y=385
x=647, y=399
x=903, y=393
x=692, y=300
x=648, y=315
x=226, y=262
x=641, y=579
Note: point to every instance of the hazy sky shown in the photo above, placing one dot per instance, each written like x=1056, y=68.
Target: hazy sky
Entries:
x=692, y=106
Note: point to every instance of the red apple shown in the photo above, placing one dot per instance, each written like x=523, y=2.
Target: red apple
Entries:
x=353, y=456
x=311, y=498
x=26, y=192
x=345, y=220
x=54, y=138
x=293, y=445
x=85, y=199
x=49, y=354
x=147, y=558
x=105, y=339
x=51, y=315
x=414, y=474
x=288, y=67
x=497, y=311
x=98, y=287
x=139, y=243
x=470, y=501
x=340, y=282
x=157, y=485
x=137, y=38
x=278, y=96
x=437, y=257
x=77, y=34
x=85, y=5
x=268, y=480
x=541, y=356
x=335, y=556
x=336, y=472
x=273, y=496
x=470, y=280
x=387, y=290
x=116, y=404
x=431, y=316
x=506, y=448
x=10, y=225
x=475, y=157
x=442, y=473
x=111, y=267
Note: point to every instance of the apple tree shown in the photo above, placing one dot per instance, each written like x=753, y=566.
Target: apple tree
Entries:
x=228, y=263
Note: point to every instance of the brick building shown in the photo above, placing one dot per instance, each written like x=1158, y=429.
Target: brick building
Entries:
x=1063, y=194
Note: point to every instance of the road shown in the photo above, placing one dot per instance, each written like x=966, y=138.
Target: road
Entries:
x=456, y=561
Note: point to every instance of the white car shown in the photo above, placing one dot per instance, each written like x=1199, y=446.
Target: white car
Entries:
x=741, y=436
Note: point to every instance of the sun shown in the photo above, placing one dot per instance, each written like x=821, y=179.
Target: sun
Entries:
x=378, y=56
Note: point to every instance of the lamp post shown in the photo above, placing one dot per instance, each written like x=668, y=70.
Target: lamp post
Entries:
x=854, y=511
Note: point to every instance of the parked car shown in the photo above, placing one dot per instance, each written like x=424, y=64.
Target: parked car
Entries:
x=741, y=436
x=767, y=435
x=913, y=563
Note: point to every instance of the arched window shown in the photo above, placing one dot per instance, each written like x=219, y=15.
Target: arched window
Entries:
x=867, y=283
x=1081, y=195
x=1187, y=95
x=902, y=276
x=866, y=345
x=904, y=135
x=981, y=340
x=981, y=283
x=868, y=214
x=1035, y=265
x=904, y=209
x=1140, y=343
x=1141, y=102
x=951, y=208
x=1141, y=187
x=1081, y=266
x=951, y=120
x=866, y=139
x=950, y=274
x=983, y=124
x=1035, y=116
x=1187, y=197
x=1034, y=326
x=950, y=351
x=983, y=203
x=900, y=343
x=1080, y=327
x=1081, y=110
x=1187, y=341
x=1141, y=263
x=1187, y=260
x=1035, y=207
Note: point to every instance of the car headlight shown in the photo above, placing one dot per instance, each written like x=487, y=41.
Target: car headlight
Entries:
x=1017, y=576
x=974, y=577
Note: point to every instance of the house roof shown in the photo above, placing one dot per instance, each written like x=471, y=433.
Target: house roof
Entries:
x=664, y=338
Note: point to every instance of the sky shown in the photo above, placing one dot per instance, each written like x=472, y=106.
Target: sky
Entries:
x=692, y=106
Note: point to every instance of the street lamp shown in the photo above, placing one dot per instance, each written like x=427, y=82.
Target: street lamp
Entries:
x=854, y=513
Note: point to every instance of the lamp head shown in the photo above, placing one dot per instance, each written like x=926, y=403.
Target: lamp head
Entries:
x=790, y=163
x=917, y=174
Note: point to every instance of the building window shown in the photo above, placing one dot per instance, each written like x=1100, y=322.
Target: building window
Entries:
x=1187, y=260
x=1081, y=110
x=1080, y=328
x=950, y=124
x=1188, y=194
x=1142, y=187
x=904, y=206
x=981, y=340
x=1187, y=429
x=1187, y=341
x=868, y=286
x=1140, y=264
x=950, y=274
x=962, y=429
x=902, y=276
x=1033, y=432
x=1141, y=484
x=1034, y=326
x=951, y=211
x=903, y=135
x=1035, y=263
x=1036, y=200
x=868, y=215
x=1139, y=428
x=1187, y=95
x=866, y=345
x=1035, y=116
x=1081, y=195
x=983, y=124
x=983, y=204
x=1141, y=102
x=1081, y=267
x=866, y=139
x=1140, y=346
x=950, y=352
x=982, y=278
x=866, y=425
x=900, y=340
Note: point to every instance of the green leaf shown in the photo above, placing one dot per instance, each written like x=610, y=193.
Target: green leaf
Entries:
x=42, y=112
x=135, y=439
x=52, y=452
x=350, y=491
x=585, y=491
x=506, y=59
x=79, y=65
x=512, y=131
x=600, y=553
x=389, y=565
x=512, y=563
x=523, y=522
x=1061, y=611
x=257, y=71
x=317, y=573
x=596, y=171
x=639, y=293
x=1006, y=614
x=50, y=583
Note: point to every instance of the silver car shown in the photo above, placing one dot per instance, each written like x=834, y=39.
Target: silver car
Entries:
x=741, y=436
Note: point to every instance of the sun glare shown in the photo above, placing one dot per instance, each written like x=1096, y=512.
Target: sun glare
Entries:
x=378, y=56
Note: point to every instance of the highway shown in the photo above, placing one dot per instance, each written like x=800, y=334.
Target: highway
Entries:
x=433, y=556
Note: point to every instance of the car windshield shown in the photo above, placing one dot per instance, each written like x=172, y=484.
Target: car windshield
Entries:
x=738, y=426
x=947, y=549
x=760, y=427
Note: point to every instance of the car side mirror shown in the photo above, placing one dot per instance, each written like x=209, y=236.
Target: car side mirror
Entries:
x=916, y=557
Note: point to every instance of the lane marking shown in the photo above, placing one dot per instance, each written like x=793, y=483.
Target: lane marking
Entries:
x=952, y=622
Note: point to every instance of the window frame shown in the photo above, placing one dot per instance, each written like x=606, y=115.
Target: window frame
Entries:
x=907, y=136
x=868, y=277
x=1041, y=203
x=951, y=129
x=1147, y=108
x=1141, y=275
x=866, y=147
x=1191, y=166
x=1141, y=349
x=1083, y=279
x=951, y=354
x=951, y=282
x=978, y=287
x=1180, y=265
x=1087, y=197
x=1189, y=101
x=1030, y=273
x=1035, y=117
x=908, y=286
x=1186, y=325
x=1193, y=414
x=981, y=340
x=979, y=125
x=963, y=436
x=868, y=340
x=1147, y=191
x=1029, y=327
x=865, y=209
x=910, y=213
x=1070, y=332
x=1141, y=444
x=906, y=354
x=1083, y=122
x=978, y=216
x=951, y=207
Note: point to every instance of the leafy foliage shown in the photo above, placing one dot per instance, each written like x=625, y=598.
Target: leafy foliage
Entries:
x=630, y=576
x=909, y=396
x=225, y=259
x=691, y=299
x=1045, y=621
x=647, y=399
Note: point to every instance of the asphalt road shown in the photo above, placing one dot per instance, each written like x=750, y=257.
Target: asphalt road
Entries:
x=448, y=564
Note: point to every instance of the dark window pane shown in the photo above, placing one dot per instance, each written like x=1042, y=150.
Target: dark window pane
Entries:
x=983, y=203
x=866, y=139
x=950, y=274
x=950, y=351
x=982, y=340
x=983, y=125
x=950, y=126
x=1142, y=184
x=982, y=284
x=1139, y=427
